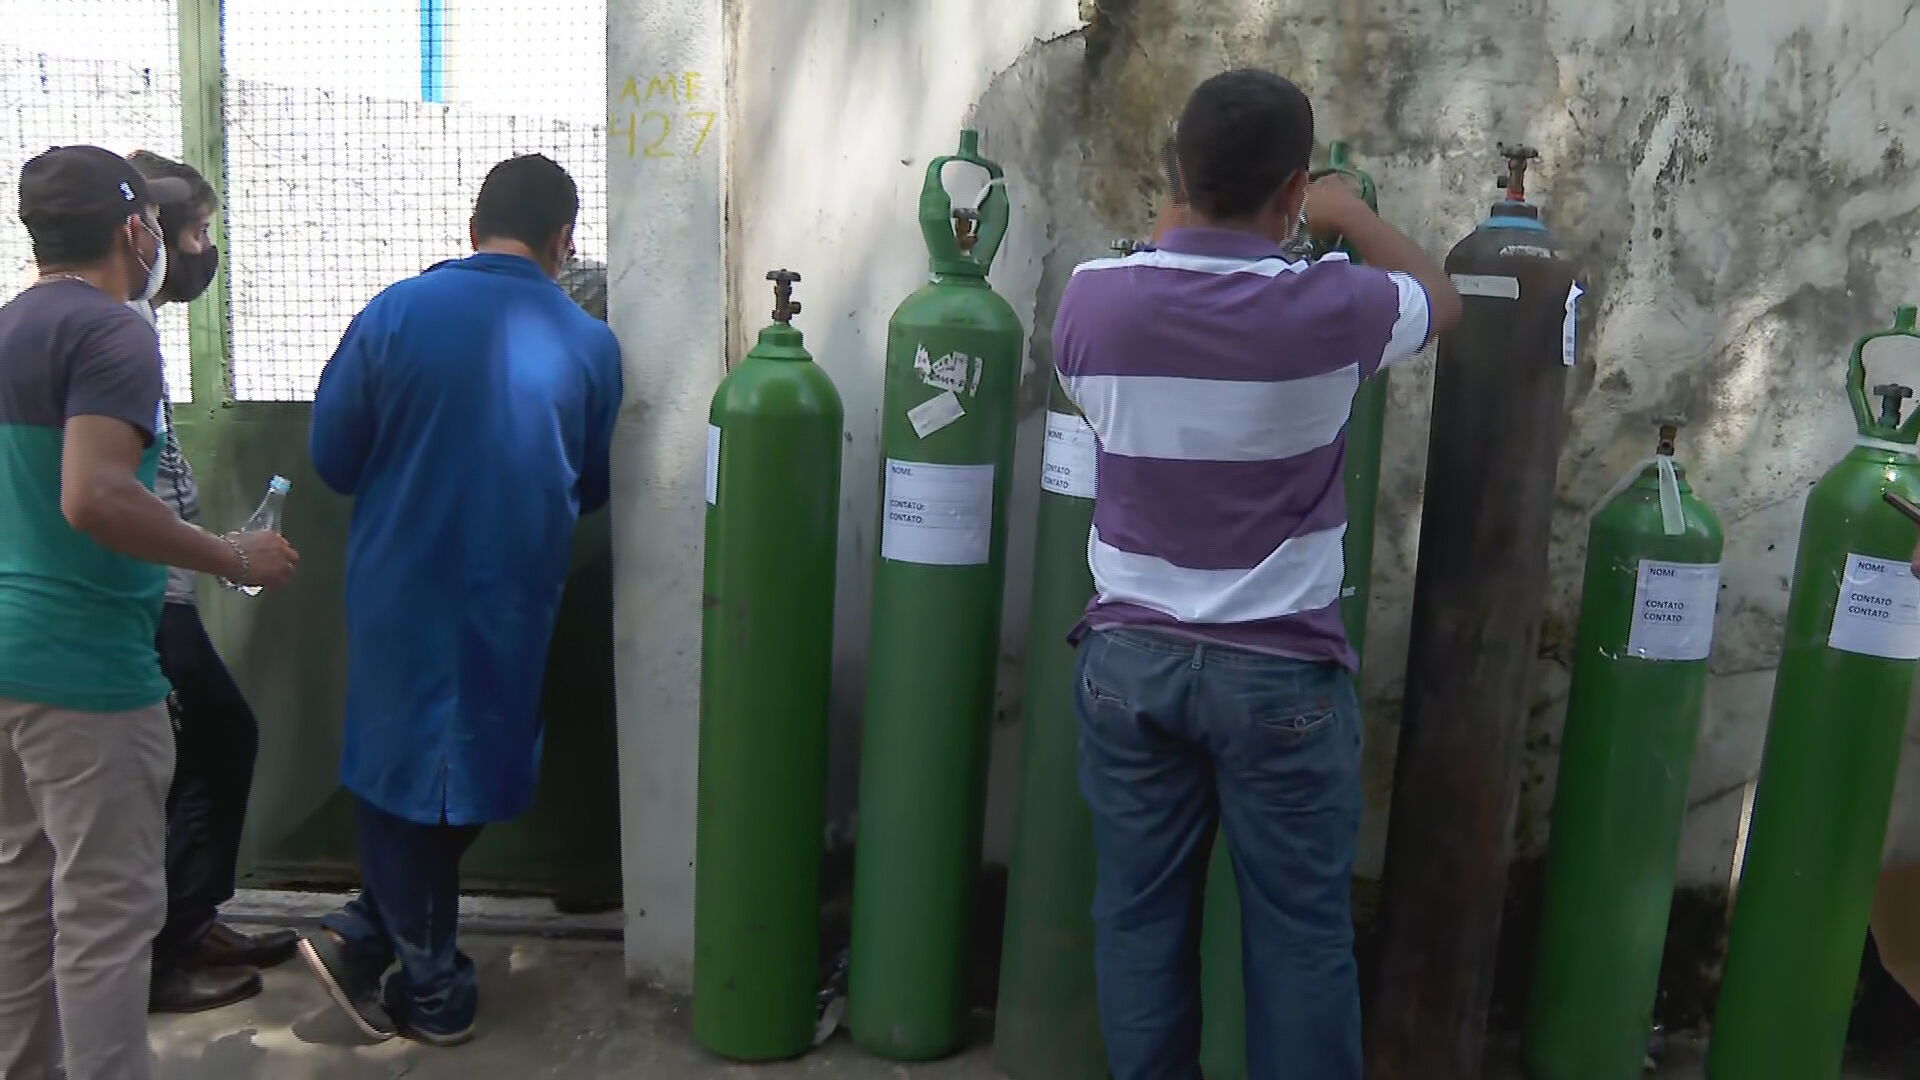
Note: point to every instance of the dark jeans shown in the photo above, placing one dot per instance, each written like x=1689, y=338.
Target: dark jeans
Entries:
x=1178, y=736
x=215, y=741
x=408, y=910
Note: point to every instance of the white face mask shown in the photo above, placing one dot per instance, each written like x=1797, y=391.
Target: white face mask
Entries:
x=157, y=273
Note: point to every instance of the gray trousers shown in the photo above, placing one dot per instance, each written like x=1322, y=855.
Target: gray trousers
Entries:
x=82, y=854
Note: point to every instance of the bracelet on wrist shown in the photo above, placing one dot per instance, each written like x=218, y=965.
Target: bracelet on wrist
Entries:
x=246, y=564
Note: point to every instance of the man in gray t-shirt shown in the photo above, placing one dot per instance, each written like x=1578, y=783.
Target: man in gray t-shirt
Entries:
x=86, y=749
x=199, y=962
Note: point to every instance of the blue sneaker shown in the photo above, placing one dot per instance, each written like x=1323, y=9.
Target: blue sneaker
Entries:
x=393, y=995
x=348, y=983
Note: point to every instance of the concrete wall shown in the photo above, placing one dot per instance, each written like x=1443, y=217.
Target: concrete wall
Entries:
x=1734, y=177
x=302, y=168
x=668, y=129
x=840, y=107
x=340, y=180
x=1737, y=186
x=80, y=73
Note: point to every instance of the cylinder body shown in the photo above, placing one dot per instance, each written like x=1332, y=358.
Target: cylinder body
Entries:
x=1478, y=598
x=773, y=492
x=1826, y=780
x=1223, y=1048
x=1048, y=1025
x=1633, y=716
x=953, y=367
x=1223, y=988
x=1223, y=1045
x=1364, y=432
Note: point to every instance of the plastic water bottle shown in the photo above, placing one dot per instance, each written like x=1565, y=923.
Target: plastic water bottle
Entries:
x=265, y=519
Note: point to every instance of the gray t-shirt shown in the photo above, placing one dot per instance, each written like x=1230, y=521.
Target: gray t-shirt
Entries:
x=77, y=620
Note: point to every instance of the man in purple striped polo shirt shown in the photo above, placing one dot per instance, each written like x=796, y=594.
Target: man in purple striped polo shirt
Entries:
x=1215, y=679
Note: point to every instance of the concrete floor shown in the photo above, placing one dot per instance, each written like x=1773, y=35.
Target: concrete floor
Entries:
x=549, y=1009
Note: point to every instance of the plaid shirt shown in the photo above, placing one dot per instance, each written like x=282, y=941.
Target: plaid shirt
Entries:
x=173, y=482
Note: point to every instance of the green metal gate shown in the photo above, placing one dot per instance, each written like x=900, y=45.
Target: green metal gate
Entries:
x=348, y=140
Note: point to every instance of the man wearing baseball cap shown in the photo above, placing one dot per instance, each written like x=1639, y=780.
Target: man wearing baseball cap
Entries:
x=86, y=749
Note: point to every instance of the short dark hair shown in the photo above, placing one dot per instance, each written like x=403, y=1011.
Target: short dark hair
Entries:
x=527, y=198
x=73, y=240
x=1242, y=135
x=201, y=198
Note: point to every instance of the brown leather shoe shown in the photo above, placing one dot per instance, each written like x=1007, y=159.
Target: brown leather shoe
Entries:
x=192, y=990
x=226, y=947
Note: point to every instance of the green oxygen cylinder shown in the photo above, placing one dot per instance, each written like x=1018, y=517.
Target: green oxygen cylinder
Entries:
x=1633, y=716
x=1048, y=1025
x=1223, y=1039
x=1365, y=428
x=947, y=423
x=1840, y=704
x=773, y=497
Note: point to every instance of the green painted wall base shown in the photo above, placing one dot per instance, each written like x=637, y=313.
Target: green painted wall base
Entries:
x=288, y=652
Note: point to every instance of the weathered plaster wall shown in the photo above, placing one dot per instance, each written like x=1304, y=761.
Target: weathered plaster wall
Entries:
x=1734, y=175
x=666, y=298
x=839, y=108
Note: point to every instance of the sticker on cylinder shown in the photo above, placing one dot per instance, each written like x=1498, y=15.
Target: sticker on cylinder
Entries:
x=713, y=464
x=1673, y=608
x=956, y=371
x=1567, y=325
x=1070, y=458
x=937, y=515
x=935, y=413
x=1878, y=613
x=1497, y=286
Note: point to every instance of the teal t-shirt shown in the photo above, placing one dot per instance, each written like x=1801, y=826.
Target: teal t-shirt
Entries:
x=77, y=621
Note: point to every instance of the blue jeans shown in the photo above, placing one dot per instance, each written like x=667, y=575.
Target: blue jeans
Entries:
x=408, y=910
x=1176, y=737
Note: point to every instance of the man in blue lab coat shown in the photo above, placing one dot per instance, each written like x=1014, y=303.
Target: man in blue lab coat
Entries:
x=468, y=411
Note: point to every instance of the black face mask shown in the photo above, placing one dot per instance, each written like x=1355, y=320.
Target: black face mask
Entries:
x=189, y=275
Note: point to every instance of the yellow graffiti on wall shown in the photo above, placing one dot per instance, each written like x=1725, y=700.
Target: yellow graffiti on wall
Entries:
x=670, y=114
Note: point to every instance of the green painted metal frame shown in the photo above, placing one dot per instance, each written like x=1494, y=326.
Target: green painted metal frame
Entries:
x=288, y=652
x=203, y=120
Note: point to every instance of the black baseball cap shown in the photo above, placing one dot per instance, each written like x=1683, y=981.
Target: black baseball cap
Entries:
x=81, y=182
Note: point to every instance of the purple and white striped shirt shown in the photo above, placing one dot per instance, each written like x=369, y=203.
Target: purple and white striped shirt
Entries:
x=1218, y=377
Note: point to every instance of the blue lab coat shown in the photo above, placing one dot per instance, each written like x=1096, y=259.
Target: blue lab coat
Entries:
x=468, y=411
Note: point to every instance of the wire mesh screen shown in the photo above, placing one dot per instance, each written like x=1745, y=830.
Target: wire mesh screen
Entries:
x=358, y=134
x=104, y=72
